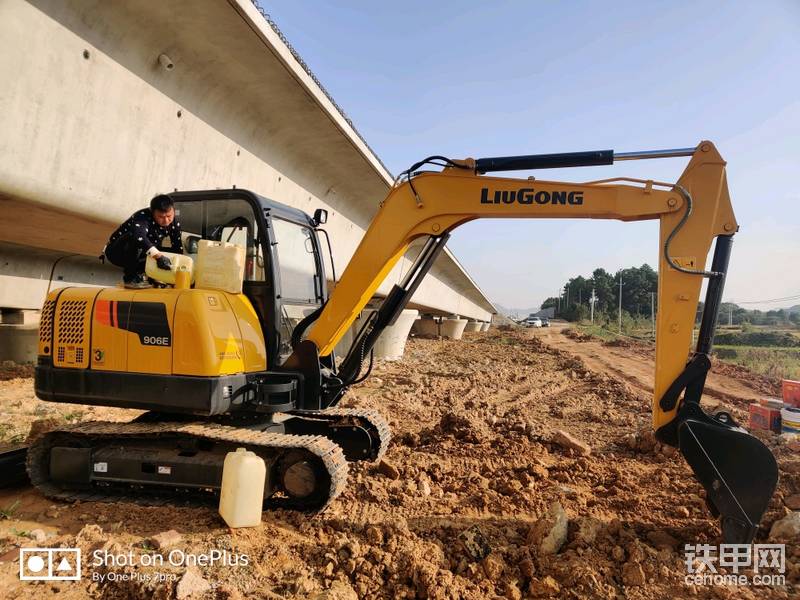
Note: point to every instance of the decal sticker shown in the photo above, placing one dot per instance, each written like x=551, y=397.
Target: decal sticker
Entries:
x=147, y=319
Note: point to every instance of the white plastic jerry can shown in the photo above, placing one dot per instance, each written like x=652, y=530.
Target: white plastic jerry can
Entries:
x=178, y=261
x=242, y=494
x=220, y=266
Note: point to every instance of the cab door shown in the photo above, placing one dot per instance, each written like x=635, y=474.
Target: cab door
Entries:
x=300, y=278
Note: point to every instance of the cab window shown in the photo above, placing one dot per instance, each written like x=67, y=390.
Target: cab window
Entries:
x=297, y=261
x=224, y=220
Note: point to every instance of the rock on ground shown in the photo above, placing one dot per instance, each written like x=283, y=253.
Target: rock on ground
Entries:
x=549, y=533
x=191, y=583
x=787, y=527
x=388, y=469
x=633, y=574
x=339, y=590
x=565, y=440
x=547, y=587
x=165, y=539
x=474, y=542
x=662, y=539
x=473, y=452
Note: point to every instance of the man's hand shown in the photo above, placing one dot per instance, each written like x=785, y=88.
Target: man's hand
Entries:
x=163, y=262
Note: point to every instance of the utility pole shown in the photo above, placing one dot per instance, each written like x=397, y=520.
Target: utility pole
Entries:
x=619, y=310
x=592, y=300
x=653, y=311
x=730, y=314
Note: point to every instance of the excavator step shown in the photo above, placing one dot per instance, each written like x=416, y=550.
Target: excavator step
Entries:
x=158, y=463
x=363, y=434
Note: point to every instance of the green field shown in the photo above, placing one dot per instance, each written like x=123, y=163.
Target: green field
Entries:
x=770, y=351
x=596, y=331
x=782, y=363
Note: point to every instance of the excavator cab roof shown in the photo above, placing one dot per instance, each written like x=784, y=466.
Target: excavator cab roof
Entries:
x=258, y=202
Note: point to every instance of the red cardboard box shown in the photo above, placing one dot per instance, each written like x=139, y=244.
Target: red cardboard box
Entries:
x=765, y=417
x=791, y=392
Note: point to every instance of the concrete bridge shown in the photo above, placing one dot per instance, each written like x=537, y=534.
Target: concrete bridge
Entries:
x=105, y=104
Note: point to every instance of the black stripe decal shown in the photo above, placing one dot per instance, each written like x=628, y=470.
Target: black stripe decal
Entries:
x=147, y=319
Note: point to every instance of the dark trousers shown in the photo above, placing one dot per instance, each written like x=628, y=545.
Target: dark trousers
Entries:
x=124, y=253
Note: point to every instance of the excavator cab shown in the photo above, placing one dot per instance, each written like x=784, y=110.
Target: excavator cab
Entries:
x=284, y=275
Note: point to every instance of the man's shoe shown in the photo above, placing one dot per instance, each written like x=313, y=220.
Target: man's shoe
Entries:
x=137, y=283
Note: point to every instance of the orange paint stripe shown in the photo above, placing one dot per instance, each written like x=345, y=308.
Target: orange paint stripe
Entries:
x=102, y=312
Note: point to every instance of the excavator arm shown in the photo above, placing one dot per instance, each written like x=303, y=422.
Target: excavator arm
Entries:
x=737, y=470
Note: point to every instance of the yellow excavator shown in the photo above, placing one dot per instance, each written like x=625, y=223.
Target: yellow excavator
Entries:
x=216, y=370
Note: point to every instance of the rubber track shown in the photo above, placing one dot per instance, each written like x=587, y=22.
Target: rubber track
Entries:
x=376, y=425
x=330, y=454
x=12, y=465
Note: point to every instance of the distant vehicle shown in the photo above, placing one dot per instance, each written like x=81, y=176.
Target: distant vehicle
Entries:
x=545, y=322
x=533, y=322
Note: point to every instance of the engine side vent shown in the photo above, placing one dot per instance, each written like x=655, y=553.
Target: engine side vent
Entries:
x=46, y=328
x=71, y=333
x=70, y=321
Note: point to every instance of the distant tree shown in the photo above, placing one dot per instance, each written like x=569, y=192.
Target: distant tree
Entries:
x=550, y=302
x=603, y=283
x=639, y=283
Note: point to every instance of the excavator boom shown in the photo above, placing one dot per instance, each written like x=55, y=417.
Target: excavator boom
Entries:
x=737, y=470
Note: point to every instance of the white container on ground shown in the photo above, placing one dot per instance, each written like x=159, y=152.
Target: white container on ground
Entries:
x=242, y=494
x=790, y=420
x=220, y=266
x=168, y=275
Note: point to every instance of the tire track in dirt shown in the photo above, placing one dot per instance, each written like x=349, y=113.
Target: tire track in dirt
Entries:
x=637, y=368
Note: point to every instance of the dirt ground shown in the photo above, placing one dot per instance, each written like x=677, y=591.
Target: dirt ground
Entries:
x=473, y=499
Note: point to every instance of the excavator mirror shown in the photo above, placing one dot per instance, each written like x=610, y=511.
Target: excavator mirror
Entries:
x=320, y=217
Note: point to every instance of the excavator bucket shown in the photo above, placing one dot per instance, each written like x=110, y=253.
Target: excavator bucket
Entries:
x=737, y=470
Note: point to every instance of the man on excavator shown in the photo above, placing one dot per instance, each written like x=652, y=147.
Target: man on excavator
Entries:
x=141, y=235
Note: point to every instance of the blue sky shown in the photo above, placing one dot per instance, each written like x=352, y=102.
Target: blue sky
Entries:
x=513, y=77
